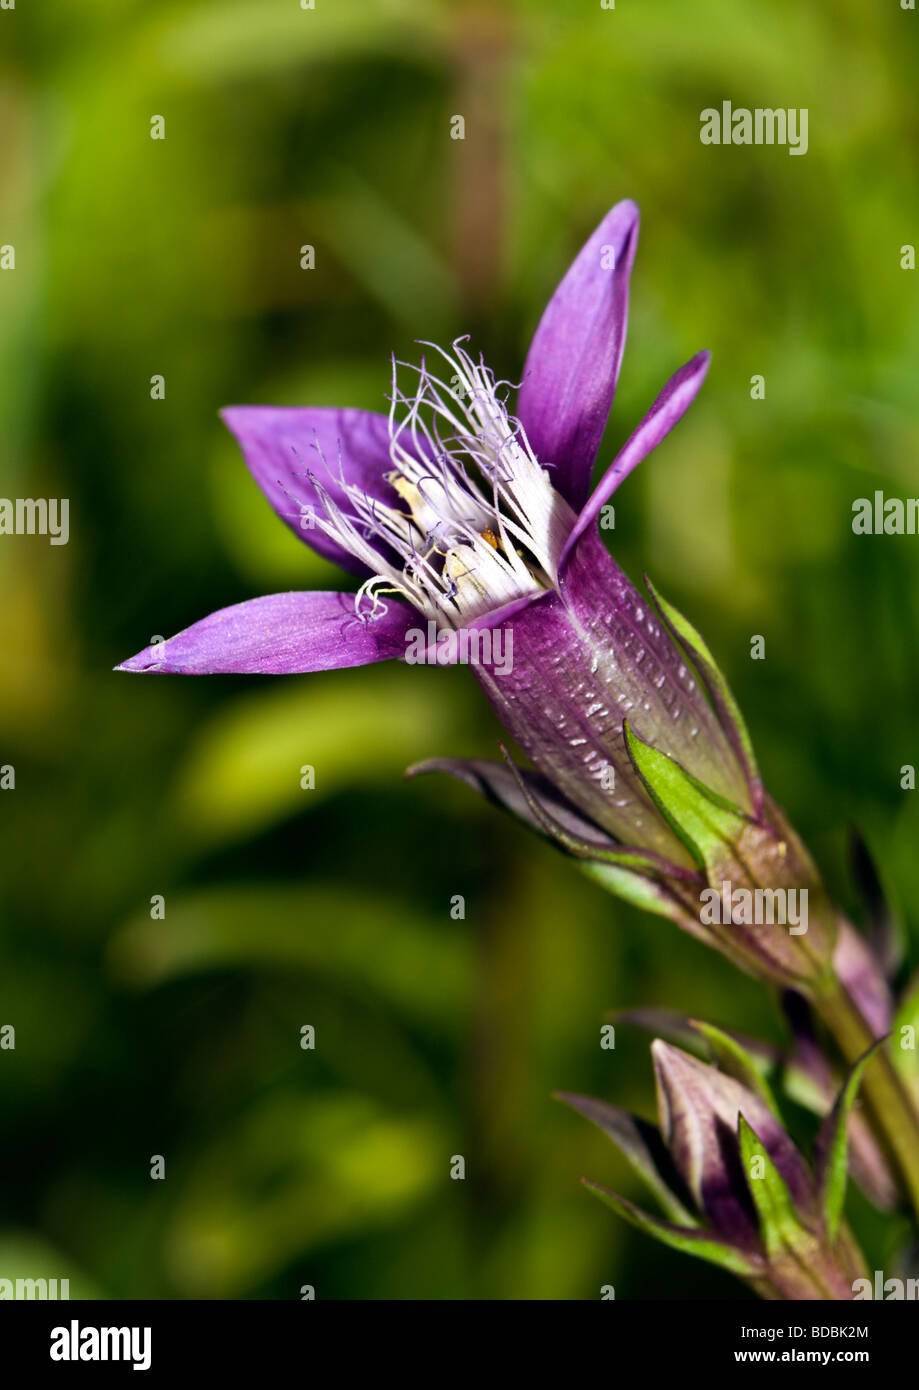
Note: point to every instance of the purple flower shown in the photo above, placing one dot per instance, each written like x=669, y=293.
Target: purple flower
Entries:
x=462, y=519
x=475, y=536
x=733, y=1187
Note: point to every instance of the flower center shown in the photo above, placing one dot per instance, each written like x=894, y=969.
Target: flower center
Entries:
x=480, y=523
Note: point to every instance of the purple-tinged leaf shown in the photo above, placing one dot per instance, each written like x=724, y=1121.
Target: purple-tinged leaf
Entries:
x=732, y=1058
x=641, y=1144
x=689, y=1241
x=521, y=792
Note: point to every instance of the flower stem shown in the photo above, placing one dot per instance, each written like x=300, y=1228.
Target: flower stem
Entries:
x=890, y=1107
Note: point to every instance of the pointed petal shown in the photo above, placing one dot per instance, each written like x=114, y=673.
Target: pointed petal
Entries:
x=690, y=1242
x=279, y=635
x=641, y=1144
x=573, y=364
x=670, y=407
x=282, y=445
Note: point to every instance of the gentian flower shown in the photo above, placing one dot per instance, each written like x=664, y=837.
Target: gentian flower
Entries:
x=732, y=1185
x=481, y=525
x=466, y=522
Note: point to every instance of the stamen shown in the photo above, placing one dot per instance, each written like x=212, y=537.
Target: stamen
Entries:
x=483, y=524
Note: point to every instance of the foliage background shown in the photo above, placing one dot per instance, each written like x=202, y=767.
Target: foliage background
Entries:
x=435, y=1037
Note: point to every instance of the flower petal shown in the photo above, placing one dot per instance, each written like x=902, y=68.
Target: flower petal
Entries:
x=280, y=634
x=584, y=659
x=670, y=407
x=573, y=364
x=698, y=1109
x=283, y=444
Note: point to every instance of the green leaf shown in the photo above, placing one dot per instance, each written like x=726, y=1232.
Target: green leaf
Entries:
x=718, y=689
x=690, y=1242
x=779, y=1224
x=734, y=1060
x=830, y=1147
x=704, y=821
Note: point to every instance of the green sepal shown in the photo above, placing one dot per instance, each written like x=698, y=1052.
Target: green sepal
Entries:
x=831, y=1146
x=734, y=1060
x=690, y=1242
x=648, y=894
x=779, y=1224
x=704, y=821
x=635, y=1139
x=638, y=860
x=719, y=691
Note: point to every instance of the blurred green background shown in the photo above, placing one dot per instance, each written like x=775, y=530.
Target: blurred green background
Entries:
x=180, y=257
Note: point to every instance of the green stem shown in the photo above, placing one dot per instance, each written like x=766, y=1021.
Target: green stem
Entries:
x=889, y=1104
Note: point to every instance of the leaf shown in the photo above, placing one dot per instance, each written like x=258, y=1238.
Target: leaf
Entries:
x=780, y=1226
x=704, y=821
x=637, y=1141
x=690, y=1242
x=830, y=1147
x=645, y=893
x=733, y=1059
